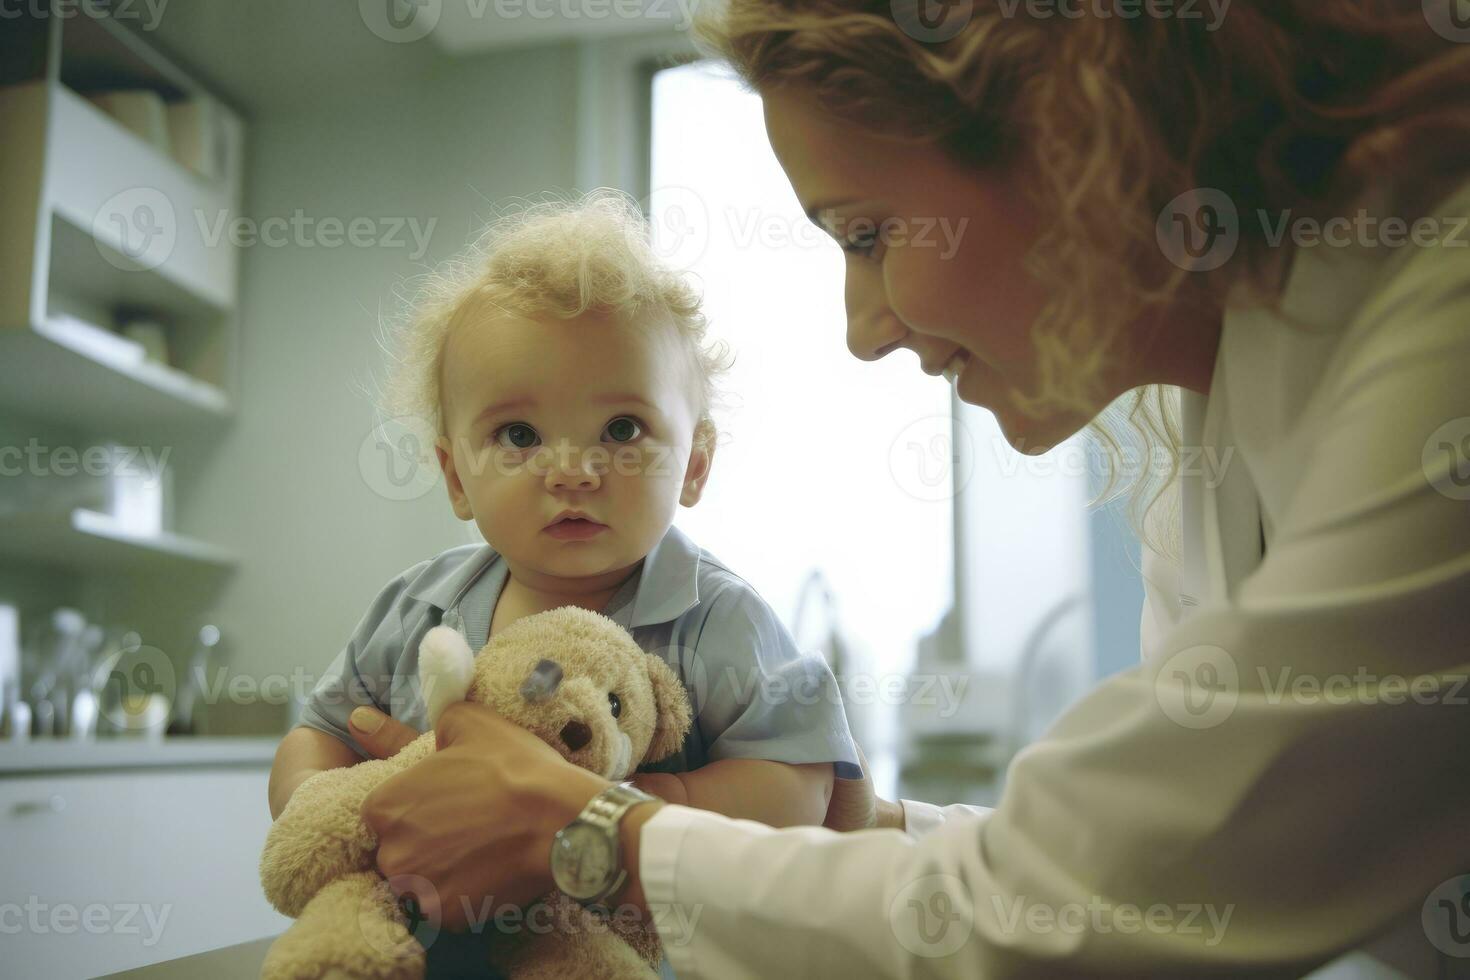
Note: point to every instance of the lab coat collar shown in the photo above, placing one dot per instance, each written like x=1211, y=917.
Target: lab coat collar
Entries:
x=1220, y=509
x=1267, y=364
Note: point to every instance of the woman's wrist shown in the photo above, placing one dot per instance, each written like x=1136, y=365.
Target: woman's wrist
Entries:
x=631, y=845
x=568, y=798
x=573, y=796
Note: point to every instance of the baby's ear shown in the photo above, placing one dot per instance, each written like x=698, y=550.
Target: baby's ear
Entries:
x=671, y=702
x=445, y=668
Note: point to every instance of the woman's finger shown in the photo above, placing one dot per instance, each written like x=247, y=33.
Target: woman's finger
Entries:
x=380, y=735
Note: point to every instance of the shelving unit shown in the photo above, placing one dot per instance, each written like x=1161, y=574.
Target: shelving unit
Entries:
x=85, y=539
x=98, y=225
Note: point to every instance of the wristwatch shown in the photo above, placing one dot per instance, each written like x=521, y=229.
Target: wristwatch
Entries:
x=586, y=858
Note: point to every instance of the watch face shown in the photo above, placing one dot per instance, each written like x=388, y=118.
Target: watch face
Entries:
x=582, y=860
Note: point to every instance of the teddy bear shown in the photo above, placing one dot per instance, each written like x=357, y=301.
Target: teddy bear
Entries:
x=571, y=676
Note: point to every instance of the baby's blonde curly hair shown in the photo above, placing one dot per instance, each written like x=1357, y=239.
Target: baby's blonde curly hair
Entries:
x=1293, y=104
x=559, y=257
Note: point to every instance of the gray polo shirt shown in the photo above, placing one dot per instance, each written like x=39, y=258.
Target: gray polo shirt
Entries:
x=754, y=695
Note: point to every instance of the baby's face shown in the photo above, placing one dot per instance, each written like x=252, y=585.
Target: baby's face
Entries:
x=591, y=415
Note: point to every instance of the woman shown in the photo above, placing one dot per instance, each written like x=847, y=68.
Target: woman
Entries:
x=1265, y=210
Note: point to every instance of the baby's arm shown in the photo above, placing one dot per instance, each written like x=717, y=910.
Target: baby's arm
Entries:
x=776, y=793
x=361, y=674
x=303, y=753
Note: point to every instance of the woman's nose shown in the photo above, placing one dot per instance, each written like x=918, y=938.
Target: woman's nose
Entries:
x=872, y=336
x=872, y=328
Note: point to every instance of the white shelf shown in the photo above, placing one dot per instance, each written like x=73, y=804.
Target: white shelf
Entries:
x=54, y=372
x=104, y=179
x=87, y=540
x=99, y=226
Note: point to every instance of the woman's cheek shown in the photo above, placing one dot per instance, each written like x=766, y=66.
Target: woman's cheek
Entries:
x=924, y=292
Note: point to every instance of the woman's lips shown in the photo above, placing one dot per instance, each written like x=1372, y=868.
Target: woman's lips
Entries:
x=575, y=529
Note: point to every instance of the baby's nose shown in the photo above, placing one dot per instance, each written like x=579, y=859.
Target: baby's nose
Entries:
x=575, y=467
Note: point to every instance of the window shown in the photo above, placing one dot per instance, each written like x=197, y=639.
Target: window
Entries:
x=825, y=463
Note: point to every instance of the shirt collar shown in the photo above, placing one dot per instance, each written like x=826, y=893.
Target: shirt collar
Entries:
x=442, y=582
x=667, y=584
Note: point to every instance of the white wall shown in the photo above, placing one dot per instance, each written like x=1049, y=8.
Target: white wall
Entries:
x=382, y=131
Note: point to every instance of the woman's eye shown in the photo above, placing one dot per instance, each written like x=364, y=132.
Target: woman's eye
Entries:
x=860, y=245
x=614, y=703
x=517, y=435
x=623, y=429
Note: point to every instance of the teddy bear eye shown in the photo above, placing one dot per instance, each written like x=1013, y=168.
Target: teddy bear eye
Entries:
x=615, y=704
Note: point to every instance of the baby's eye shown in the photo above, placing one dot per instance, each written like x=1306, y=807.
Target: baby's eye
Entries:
x=516, y=435
x=624, y=428
x=614, y=703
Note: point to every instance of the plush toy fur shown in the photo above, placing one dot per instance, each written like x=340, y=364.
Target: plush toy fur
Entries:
x=552, y=673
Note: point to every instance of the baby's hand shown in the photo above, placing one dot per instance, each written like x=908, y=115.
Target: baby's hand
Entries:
x=854, y=805
x=381, y=735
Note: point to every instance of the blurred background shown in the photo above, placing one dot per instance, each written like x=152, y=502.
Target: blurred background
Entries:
x=208, y=209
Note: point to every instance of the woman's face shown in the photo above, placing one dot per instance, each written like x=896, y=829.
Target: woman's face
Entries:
x=934, y=257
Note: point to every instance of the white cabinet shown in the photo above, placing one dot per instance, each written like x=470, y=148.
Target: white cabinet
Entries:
x=106, y=871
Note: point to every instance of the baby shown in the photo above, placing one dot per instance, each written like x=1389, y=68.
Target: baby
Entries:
x=566, y=374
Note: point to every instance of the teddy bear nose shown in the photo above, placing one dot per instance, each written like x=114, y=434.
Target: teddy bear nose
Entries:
x=575, y=734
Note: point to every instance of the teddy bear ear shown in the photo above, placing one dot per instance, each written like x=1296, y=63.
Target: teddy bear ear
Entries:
x=671, y=702
x=445, y=669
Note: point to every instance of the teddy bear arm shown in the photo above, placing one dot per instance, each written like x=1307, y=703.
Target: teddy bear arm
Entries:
x=352, y=928
x=320, y=835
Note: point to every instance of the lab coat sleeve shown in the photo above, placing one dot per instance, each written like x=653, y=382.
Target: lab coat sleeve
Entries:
x=920, y=818
x=1281, y=778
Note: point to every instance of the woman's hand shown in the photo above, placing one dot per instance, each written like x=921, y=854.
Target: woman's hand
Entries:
x=471, y=824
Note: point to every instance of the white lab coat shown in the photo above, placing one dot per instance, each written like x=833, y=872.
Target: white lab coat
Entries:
x=1192, y=816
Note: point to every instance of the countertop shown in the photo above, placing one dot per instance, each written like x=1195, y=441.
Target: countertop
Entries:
x=41, y=756
x=453, y=957
x=239, y=962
